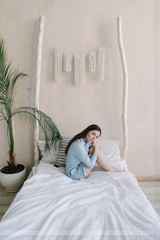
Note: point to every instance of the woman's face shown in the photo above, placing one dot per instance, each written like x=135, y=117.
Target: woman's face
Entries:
x=92, y=136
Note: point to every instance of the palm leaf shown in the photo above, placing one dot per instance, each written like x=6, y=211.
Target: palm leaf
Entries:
x=8, y=77
x=16, y=75
x=51, y=132
x=2, y=115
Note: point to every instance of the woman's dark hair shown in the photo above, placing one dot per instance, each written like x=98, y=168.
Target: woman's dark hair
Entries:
x=82, y=135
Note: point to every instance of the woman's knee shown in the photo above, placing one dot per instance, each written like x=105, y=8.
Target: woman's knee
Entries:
x=101, y=155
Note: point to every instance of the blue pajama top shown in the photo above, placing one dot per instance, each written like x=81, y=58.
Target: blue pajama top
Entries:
x=77, y=159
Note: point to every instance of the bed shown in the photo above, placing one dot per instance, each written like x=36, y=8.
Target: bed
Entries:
x=105, y=206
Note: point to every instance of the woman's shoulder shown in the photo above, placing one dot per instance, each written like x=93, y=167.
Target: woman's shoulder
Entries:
x=78, y=142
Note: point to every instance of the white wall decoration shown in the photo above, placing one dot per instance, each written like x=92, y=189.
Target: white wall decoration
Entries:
x=67, y=61
x=58, y=64
x=79, y=64
x=125, y=88
x=92, y=61
x=101, y=62
x=37, y=84
x=79, y=68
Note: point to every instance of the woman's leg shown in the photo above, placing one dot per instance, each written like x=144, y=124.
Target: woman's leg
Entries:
x=105, y=164
x=88, y=170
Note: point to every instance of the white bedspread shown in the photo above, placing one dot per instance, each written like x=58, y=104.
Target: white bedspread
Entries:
x=106, y=206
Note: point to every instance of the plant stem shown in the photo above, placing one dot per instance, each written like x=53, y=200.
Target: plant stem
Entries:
x=11, y=140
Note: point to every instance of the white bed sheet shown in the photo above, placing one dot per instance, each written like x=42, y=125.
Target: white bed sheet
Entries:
x=106, y=206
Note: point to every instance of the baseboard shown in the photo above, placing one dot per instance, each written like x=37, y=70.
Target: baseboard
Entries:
x=148, y=179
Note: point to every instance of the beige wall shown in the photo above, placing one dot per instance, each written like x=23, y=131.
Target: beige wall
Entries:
x=81, y=26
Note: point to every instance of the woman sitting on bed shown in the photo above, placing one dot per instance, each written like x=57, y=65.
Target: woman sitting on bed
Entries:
x=80, y=160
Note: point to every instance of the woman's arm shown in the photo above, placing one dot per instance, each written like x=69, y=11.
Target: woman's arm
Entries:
x=80, y=152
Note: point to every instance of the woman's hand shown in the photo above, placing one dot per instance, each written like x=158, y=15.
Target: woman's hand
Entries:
x=96, y=145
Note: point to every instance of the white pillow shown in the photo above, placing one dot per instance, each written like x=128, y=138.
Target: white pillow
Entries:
x=111, y=149
x=48, y=156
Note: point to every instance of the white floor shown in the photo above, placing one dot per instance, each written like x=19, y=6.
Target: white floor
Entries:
x=151, y=190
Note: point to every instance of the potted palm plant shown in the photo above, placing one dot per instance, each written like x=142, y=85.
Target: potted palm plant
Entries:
x=8, y=80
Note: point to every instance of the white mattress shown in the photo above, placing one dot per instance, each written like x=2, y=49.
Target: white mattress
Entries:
x=106, y=206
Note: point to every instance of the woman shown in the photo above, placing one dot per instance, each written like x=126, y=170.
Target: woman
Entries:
x=78, y=163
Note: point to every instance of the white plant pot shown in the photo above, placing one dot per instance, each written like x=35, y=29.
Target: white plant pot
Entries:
x=13, y=182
